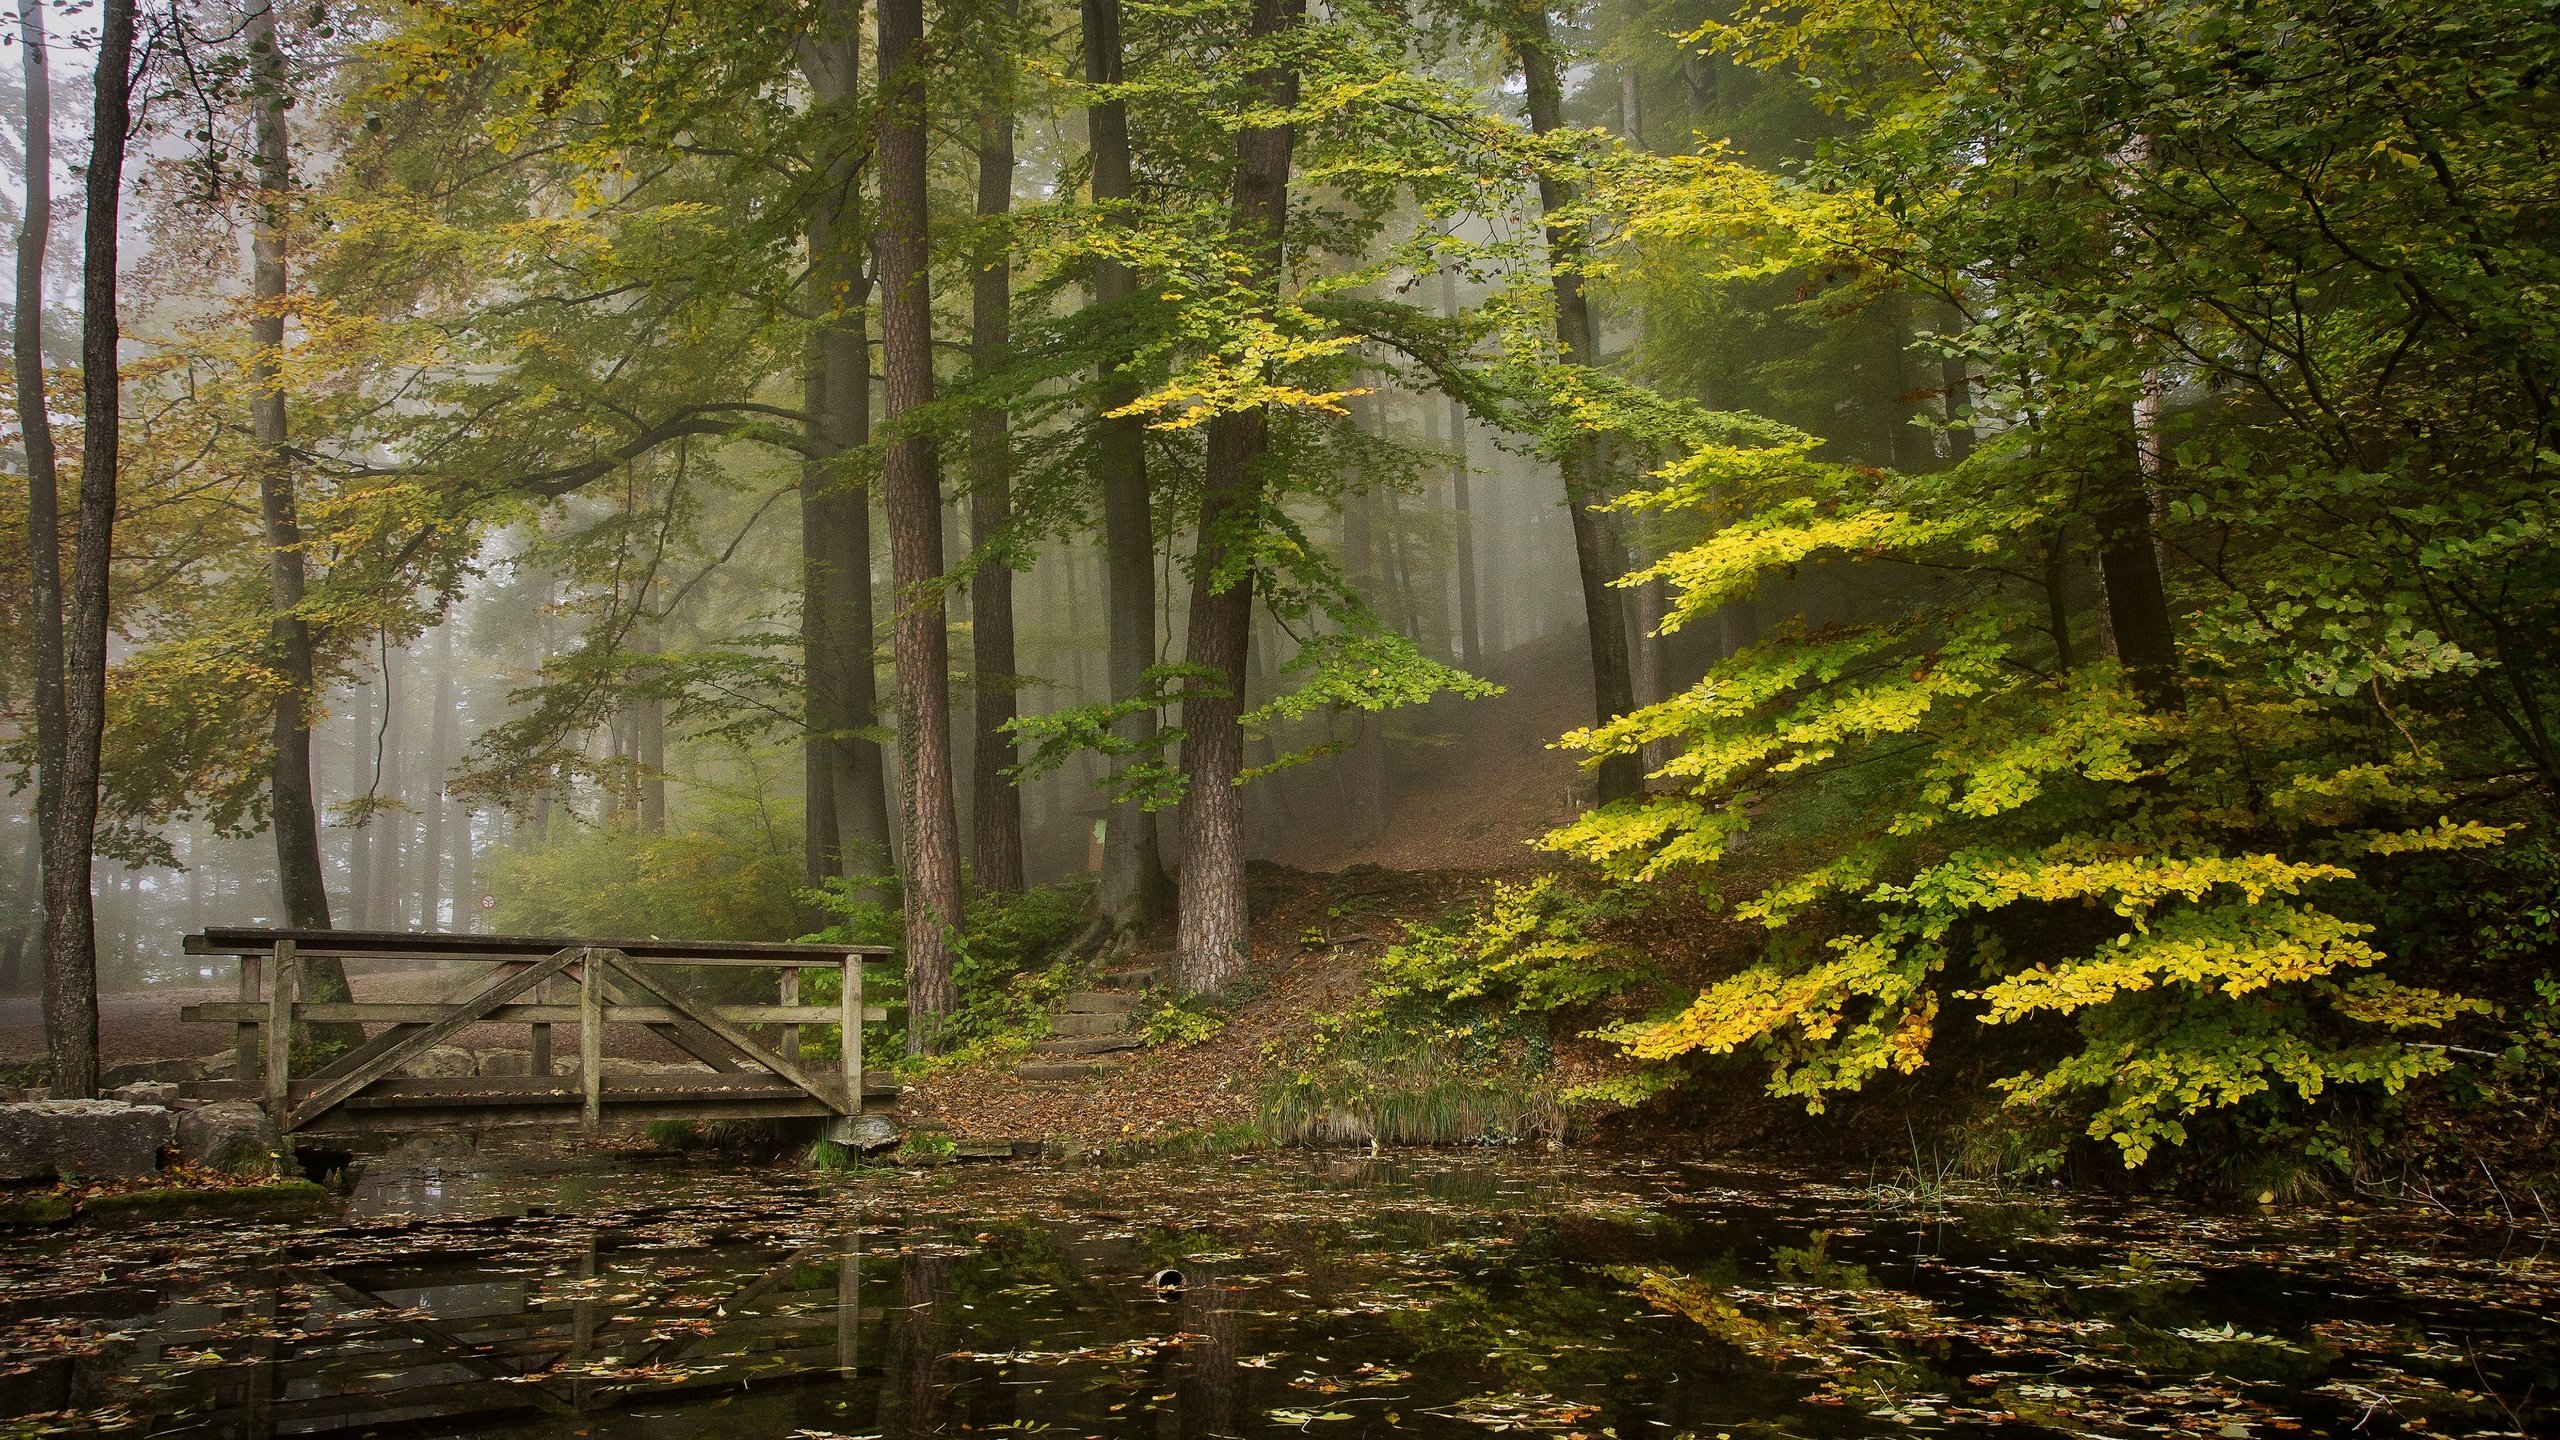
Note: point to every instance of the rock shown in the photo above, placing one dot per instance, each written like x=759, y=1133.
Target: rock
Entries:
x=233, y=1135
x=131, y=1072
x=864, y=1133
x=219, y=1067
x=163, y=1093
x=442, y=1062
x=93, y=1139
x=506, y=1062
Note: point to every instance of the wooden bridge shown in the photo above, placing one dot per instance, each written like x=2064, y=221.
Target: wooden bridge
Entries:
x=751, y=1051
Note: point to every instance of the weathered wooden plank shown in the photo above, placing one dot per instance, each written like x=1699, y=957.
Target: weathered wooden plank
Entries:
x=591, y=963
x=389, y=944
x=738, y=1040
x=849, y=1022
x=225, y=1012
x=390, y=1057
x=245, y=1057
x=280, y=988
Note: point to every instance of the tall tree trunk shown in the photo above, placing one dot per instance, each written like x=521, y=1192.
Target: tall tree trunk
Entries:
x=849, y=831
x=2129, y=563
x=35, y=421
x=300, y=880
x=391, y=823
x=995, y=840
x=1215, y=937
x=360, y=750
x=911, y=492
x=466, y=879
x=1595, y=547
x=295, y=819
x=440, y=741
x=1133, y=888
x=1470, y=633
x=71, y=941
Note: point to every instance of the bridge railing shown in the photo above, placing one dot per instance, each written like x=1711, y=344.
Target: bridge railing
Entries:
x=539, y=982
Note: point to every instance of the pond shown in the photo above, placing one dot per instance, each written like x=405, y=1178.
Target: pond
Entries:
x=1456, y=1295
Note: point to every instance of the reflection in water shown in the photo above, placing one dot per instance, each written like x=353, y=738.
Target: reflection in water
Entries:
x=1442, y=1294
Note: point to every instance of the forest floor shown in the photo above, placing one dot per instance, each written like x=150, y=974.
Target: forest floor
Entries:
x=1315, y=934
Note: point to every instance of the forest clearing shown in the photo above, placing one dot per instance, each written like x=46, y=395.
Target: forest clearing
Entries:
x=1219, y=717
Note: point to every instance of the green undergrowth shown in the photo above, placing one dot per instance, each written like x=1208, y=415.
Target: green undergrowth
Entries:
x=1010, y=963
x=1454, y=1041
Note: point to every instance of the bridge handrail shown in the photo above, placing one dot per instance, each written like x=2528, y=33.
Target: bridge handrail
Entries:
x=399, y=944
x=517, y=989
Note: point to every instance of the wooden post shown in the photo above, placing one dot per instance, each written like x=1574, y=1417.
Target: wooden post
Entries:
x=280, y=988
x=247, y=1055
x=591, y=1031
x=849, y=1008
x=541, y=1062
x=791, y=996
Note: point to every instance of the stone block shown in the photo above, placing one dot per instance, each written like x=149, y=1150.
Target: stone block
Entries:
x=864, y=1133
x=508, y=1062
x=233, y=1135
x=443, y=1062
x=163, y=1093
x=131, y=1072
x=93, y=1139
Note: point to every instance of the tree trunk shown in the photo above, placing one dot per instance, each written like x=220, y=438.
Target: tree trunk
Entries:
x=71, y=941
x=300, y=881
x=360, y=749
x=1362, y=772
x=1133, y=888
x=2129, y=562
x=440, y=740
x=849, y=833
x=1215, y=938
x=1470, y=634
x=466, y=880
x=391, y=821
x=35, y=421
x=1595, y=548
x=995, y=840
x=911, y=492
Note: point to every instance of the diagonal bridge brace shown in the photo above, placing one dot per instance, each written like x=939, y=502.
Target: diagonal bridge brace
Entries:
x=388, y=1052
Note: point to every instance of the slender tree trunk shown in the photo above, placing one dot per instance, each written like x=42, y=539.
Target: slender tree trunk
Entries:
x=466, y=879
x=360, y=748
x=995, y=841
x=71, y=941
x=440, y=741
x=1595, y=548
x=912, y=494
x=1133, y=888
x=35, y=421
x=849, y=831
x=391, y=824
x=295, y=818
x=301, y=882
x=1363, y=771
x=1215, y=937
x=1470, y=633
x=2129, y=561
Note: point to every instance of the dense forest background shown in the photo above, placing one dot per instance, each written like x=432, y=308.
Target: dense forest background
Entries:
x=2031, y=520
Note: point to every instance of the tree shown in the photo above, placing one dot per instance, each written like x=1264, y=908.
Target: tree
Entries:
x=35, y=424
x=911, y=492
x=995, y=842
x=1214, y=939
x=1133, y=886
x=71, y=948
x=848, y=830
x=1597, y=556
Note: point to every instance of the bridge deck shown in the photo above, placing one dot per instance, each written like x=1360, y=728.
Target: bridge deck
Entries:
x=751, y=1050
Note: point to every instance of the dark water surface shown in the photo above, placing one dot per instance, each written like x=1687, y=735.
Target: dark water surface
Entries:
x=1447, y=1295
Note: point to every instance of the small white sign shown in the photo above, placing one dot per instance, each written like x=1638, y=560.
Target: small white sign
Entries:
x=488, y=902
